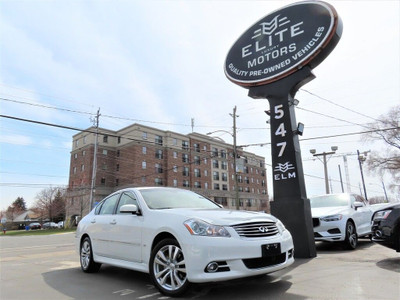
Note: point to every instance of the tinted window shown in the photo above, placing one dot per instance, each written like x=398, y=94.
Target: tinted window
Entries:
x=109, y=204
x=126, y=198
x=330, y=200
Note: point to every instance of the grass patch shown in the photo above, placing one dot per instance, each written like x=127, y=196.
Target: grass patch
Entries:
x=36, y=232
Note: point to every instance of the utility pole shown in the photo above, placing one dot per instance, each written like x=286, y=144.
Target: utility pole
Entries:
x=235, y=157
x=361, y=159
x=341, y=180
x=346, y=171
x=384, y=189
x=192, y=121
x=94, y=170
x=325, y=162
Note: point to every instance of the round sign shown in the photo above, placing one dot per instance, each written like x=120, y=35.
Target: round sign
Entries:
x=284, y=41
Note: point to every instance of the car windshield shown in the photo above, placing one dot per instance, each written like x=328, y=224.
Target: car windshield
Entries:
x=329, y=201
x=175, y=198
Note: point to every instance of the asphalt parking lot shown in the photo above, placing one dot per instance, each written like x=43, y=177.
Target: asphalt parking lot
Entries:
x=47, y=267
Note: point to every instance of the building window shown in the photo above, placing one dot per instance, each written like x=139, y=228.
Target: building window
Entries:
x=205, y=173
x=158, y=181
x=263, y=183
x=143, y=179
x=117, y=168
x=83, y=152
x=174, y=142
x=119, y=140
x=214, y=152
x=239, y=178
x=117, y=182
x=159, y=168
x=76, y=143
x=246, y=180
x=144, y=165
x=144, y=150
x=206, y=185
x=185, y=183
x=175, y=168
x=104, y=166
x=197, y=173
x=105, y=152
x=144, y=135
x=158, y=140
x=185, y=145
x=224, y=187
x=159, y=154
x=215, y=163
x=175, y=154
x=216, y=176
x=248, y=202
x=185, y=158
x=197, y=160
x=103, y=181
x=75, y=155
x=175, y=183
x=247, y=190
x=105, y=138
x=224, y=177
x=216, y=186
x=223, y=153
x=84, y=139
x=246, y=169
x=197, y=184
x=224, y=165
x=82, y=168
x=118, y=153
x=74, y=171
x=185, y=171
x=196, y=147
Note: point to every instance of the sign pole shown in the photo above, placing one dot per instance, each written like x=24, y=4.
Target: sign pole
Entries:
x=290, y=198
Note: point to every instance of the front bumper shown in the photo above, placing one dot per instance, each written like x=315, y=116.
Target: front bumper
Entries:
x=236, y=257
x=332, y=231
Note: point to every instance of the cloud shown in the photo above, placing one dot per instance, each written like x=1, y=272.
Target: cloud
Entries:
x=16, y=140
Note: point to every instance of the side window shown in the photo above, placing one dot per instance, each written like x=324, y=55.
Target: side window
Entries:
x=98, y=207
x=126, y=198
x=109, y=204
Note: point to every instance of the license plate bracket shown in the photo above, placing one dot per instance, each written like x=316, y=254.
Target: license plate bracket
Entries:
x=271, y=249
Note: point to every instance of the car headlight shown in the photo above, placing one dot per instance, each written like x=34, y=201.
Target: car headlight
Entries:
x=382, y=214
x=201, y=228
x=280, y=226
x=332, y=218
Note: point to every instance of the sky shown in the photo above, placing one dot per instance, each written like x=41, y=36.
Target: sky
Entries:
x=160, y=63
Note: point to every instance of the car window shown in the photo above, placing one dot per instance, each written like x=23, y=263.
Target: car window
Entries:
x=98, y=207
x=109, y=204
x=126, y=198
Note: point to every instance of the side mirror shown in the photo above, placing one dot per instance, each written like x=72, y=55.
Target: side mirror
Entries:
x=128, y=209
x=357, y=205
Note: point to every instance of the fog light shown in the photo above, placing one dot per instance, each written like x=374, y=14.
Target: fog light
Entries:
x=212, y=267
x=290, y=253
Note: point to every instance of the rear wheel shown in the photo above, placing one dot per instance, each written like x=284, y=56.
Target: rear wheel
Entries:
x=168, y=269
x=88, y=265
x=351, y=240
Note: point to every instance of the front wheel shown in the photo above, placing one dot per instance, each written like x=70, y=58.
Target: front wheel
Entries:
x=167, y=268
x=88, y=265
x=351, y=240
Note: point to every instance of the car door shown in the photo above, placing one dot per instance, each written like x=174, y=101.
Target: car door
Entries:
x=127, y=231
x=100, y=229
x=365, y=216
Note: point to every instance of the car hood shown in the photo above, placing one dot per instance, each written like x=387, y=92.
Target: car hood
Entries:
x=327, y=211
x=222, y=217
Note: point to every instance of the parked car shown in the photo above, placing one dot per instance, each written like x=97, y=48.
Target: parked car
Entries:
x=386, y=226
x=60, y=224
x=35, y=225
x=180, y=237
x=341, y=218
x=50, y=225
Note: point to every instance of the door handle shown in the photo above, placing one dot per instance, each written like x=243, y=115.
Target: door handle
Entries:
x=113, y=222
x=93, y=221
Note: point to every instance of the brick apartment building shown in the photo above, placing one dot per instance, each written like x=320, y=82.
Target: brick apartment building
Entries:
x=139, y=155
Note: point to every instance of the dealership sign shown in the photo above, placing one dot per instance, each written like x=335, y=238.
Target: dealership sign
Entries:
x=284, y=41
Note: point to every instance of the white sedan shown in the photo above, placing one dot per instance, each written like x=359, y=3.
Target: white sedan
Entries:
x=341, y=217
x=180, y=237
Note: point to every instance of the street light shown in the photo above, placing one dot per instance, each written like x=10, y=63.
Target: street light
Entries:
x=234, y=162
x=325, y=162
x=361, y=159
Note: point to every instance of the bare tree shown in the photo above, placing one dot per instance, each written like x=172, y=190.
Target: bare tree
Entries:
x=50, y=203
x=386, y=129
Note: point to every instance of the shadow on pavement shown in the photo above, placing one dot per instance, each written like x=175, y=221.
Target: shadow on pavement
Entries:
x=339, y=248
x=110, y=282
x=391, y=264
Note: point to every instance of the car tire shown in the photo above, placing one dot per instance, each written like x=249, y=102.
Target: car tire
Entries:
x=167, y=268
x=88, y=265
x=351, y=239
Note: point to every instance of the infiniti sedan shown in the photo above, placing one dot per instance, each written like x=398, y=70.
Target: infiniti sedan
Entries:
x=180, y=237
x=341, y=218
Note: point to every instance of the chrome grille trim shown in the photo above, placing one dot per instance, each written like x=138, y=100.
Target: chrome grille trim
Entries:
x=256, y=229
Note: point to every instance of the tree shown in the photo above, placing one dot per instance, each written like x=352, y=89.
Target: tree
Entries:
x=15, y=209
x=19, y=204
x=386, y=129
x=50, y=203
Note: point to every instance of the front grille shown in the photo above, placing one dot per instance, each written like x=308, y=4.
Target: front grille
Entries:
x=256, y=229
x=262, y=262
x=315, y=222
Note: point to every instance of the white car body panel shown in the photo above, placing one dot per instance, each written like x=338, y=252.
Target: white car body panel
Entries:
x=126, y=240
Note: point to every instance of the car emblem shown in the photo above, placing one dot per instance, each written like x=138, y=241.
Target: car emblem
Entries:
x=263, y=228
